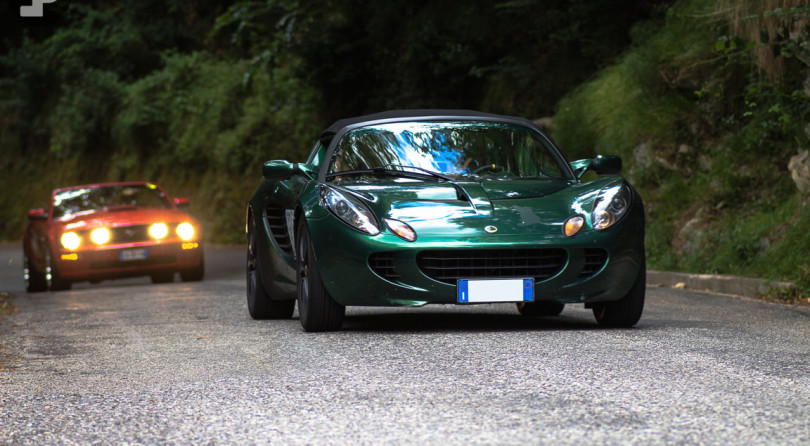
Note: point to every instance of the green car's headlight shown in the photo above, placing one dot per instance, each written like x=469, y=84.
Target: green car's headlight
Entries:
x=349, y=210
x=610, y=206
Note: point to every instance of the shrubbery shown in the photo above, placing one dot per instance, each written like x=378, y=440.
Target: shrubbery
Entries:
x=707, y=125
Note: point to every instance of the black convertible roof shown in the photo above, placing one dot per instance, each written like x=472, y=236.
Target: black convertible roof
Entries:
x=332, y=130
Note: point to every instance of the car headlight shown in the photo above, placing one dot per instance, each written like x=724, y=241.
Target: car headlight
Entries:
x=610, y=206
x=71, y=240
x=349, y=210
x=100, y=236
x=185, y=231
x=158, y=231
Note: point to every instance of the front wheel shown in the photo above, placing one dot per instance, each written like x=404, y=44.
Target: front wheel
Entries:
x=260, y=305
x=626, y=311
x=317, y=309
x=35, y=280
x=54, y=279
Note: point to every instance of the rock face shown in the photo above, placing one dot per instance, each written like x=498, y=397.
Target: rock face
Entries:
x=799, y=167
x=692, y=237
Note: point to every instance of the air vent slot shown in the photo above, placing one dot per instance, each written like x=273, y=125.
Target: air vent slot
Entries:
x=595, y=259
x=382, y=263
x=277, y=222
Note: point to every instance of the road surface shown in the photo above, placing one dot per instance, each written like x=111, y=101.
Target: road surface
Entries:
x=130, y=362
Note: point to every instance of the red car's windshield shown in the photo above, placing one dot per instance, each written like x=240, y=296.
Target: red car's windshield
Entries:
x=74, y=201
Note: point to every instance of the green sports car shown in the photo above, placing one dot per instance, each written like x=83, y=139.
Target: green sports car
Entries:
x=454, y=207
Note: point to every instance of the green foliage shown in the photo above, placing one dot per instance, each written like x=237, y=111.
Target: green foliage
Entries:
x=198, y=112
x=516, y=57
x=708, y=131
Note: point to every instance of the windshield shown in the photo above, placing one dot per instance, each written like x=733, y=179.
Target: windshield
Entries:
x=75, y=201
x=477, y=150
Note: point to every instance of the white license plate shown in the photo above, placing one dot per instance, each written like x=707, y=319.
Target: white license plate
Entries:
x=133, y=254
x=496, y=290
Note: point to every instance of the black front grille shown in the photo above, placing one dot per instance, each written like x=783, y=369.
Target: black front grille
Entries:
x=594, y=261
x=277, y=222
x=129, y=234
x=382, y=263
x=450, y=265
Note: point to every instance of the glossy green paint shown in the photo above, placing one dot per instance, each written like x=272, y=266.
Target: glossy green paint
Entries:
x=527, y=213
x=602, y=164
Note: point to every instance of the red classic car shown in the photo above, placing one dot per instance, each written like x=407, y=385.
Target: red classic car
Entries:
x=111, y=230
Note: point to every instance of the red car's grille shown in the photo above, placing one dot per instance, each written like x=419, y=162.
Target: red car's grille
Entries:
x=129, y=234
x=451, y=265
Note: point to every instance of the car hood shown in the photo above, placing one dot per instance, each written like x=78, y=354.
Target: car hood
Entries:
x=113, y=218
x=467, y=208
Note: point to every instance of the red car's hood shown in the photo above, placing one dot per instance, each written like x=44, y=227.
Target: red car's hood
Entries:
x=125, y=217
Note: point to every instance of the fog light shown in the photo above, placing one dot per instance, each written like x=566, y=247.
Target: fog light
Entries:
x=73, y=256
x=573, y=225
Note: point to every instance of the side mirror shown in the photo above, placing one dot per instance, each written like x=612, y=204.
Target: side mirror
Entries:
x=37, y=214
x=602, y=164
x=278, y=170
x=607, y=165
x=181, y=202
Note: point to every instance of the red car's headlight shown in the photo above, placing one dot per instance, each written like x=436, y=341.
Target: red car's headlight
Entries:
x=185, y=231
x=71, y=240
x=158, y=231
x=100, y=236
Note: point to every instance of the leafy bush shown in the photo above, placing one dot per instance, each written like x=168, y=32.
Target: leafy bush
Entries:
x=707, y=131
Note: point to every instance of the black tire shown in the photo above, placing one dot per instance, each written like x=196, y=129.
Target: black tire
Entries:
x=162, y=277
x=195, y=274
x=317, y=309
x=54, y=279
x=626, y=311
x=36, y=281
x=541, y=308
x=260, y=304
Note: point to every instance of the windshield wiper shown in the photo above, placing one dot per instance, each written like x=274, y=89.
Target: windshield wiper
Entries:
x=421, y=170
x=380, y=171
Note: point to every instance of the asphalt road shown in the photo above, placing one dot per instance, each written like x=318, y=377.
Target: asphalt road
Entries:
x=131, y=362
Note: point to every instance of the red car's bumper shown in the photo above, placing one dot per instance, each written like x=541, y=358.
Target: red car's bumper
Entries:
x=129, y=260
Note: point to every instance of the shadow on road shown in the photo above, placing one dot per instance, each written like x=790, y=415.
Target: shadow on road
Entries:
x=445, y=321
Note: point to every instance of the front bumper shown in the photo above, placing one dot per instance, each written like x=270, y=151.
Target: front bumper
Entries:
x=343, y=259
x=107, y=262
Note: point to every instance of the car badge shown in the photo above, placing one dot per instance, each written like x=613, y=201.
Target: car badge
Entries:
x=491, y=229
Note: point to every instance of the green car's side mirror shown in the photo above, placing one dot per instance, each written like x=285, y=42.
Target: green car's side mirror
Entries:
x=602, y=164
x=607, y=165
x=278, y=170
